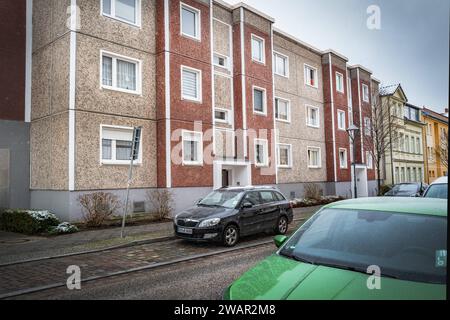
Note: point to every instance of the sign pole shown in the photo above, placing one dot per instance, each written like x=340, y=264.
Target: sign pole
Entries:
x=134, y=155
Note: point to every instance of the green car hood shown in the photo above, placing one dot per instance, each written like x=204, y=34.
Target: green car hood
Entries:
x=280, y=278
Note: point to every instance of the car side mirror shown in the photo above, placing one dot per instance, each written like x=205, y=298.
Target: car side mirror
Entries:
x=247, y=206
x=279, y=240
x=198, y=201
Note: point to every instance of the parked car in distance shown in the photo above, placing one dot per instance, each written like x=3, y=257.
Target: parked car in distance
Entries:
x=229, y=213
x=412, y=189
x=335, y=254
x=438, y=189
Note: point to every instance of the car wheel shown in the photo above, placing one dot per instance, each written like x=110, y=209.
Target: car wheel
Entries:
x=230, y=236
x=282, y=225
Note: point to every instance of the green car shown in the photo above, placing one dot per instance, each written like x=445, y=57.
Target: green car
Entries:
x=368, y=248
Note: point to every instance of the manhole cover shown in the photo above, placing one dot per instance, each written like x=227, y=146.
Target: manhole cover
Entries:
x=14, y=241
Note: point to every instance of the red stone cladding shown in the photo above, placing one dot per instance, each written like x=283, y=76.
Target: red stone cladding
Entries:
x=12, y=59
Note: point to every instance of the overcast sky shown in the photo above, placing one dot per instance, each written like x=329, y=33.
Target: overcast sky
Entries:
x=411, y=48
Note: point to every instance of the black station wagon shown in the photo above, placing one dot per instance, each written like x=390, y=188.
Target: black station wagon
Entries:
x=229, y=213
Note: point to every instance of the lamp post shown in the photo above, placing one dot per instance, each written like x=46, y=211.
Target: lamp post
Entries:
x=352, y=130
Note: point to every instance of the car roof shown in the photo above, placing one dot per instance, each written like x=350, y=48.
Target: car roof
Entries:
x=425, y=206
x=249, y=188
x=440, y=180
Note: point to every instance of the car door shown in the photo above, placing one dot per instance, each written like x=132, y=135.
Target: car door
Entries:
x=249, y=217
x=270, y=210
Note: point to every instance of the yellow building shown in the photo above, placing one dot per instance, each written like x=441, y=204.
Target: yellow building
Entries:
x=435, y=137
x=404, y=158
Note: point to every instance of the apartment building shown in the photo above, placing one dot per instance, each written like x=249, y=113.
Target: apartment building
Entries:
x=223, y=99
x=435, y=140
x=14, y=104
x=404, y=161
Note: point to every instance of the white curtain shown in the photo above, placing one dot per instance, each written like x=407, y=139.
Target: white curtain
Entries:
x=126, y=75
x=107, y=71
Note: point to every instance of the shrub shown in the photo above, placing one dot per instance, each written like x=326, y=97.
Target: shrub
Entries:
x=62, y=228
x=162, y=201
x=313, y=191
x=98, y=207
x=27, y=221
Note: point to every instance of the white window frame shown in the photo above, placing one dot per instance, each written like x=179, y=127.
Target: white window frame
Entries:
x=288, y=109
x=227, y=115
x=289, y=147
x=282, y=56
x=263, y=53
x=114, y=58
x=198, y=27
x=367, y=128
x=308, y=106
x=365, y=88
x=339, y=113
x=113, y=161
x=316, y=86
x=226, y=58
x=319, y=157
x=199, y=84
x=264, y=113
x=199, y=162
x=345, y=156
x=113, y=13
x=338, y=74
x=265, y=143
x=369, y=157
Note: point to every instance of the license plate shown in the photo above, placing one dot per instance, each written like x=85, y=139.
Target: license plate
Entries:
x=184, y=230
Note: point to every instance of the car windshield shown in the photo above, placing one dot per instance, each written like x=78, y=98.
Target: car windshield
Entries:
x=404, y=246
x=437, y=191
x=222, y=198
x=404, y=188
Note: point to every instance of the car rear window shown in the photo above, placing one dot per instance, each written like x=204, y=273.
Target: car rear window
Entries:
x=279, y=196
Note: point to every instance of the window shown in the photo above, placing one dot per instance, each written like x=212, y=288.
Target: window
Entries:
x=312, y=116
x=403, y=175
x=120, y=73
x=311, y=76
x=284, y=155
x=258, y=49
x=282, y=110
x=365, y=89
x=406, y=143
x=314, y=157
x=221, y=115
x=414, y=175
x=220, y=60
x=418, y=146
x=281, y=64
x=343, y=158
x=419, y=172
x=408, y=174
x=367, y=128
x=259, y=100
x=397, y=175
x=339, y=82
x=116, y=145
x=429, y=129
x=124, y=10
x=192, y=148
x=413, y=147
x=341, y=120
x=369, y=160
x=191, y=80
x=190, y=22
x=261, y=153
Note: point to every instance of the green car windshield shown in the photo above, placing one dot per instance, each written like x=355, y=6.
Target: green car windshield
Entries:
x=222, y=198
x=439, y=191
x=403, y=246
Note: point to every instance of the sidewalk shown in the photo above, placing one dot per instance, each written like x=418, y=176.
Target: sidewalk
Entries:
x=16, y=247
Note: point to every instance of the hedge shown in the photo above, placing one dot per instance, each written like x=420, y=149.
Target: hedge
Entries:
x=27, y=221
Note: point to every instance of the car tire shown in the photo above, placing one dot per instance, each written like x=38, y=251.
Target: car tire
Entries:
x=230, y=236
x=282, y=225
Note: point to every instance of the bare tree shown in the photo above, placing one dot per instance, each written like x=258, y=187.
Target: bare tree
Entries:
x=443, y=149
x=384, y=128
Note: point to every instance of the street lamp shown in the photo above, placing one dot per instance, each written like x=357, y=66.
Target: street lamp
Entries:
x=352, y=130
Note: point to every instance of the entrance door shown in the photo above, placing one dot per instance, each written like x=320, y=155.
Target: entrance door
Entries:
x=361, y=182
x=225, y=178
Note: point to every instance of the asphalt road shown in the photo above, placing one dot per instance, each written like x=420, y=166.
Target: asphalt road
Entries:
x=204, y=278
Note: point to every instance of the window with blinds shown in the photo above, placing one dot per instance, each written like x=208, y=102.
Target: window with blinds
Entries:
x=116, y=145
x=190, y=84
